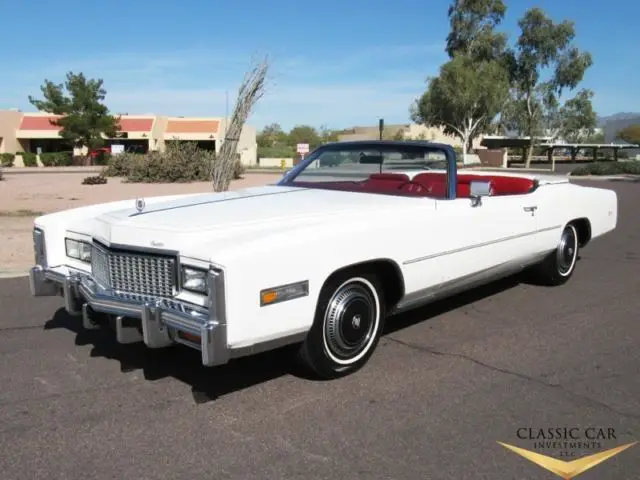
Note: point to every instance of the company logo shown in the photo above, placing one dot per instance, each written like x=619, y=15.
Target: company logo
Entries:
x=566, y=442
x=140, y=204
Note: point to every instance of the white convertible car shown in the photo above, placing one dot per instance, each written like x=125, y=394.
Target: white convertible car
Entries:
x=355, y=233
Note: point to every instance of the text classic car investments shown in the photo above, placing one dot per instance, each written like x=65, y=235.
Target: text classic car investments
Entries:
x=355, y=233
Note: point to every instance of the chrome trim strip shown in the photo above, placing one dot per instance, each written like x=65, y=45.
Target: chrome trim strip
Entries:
x=213, y=336
x=479, y=245
x=467, y=282
x=120, y=248
x=39, y=284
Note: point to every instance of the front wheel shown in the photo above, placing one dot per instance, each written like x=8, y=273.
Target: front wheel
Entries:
x=558, y=267
x=347, y=326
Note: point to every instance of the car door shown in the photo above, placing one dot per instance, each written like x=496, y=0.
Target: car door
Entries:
x=496, y=234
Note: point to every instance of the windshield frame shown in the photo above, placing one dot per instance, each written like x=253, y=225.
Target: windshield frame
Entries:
x=289, y=177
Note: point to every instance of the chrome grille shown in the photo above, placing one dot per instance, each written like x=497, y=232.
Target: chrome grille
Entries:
x=135, y=273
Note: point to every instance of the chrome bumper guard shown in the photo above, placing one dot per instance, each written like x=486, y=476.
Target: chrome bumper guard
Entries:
x=163, y=321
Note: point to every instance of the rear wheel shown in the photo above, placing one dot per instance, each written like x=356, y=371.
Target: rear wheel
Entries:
x=558, y=267
x=347, y=326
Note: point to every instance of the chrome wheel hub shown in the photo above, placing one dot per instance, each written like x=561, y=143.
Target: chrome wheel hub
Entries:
x=350, y=321
x=566, y=251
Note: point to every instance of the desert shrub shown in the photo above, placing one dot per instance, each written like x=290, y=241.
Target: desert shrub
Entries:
x=29, y=159
x=57, y=159
x=238, y=170
x=121, y=165
x=94, y=180
x=6, y=159
x=102, y=158
x=1, y=174
x=182, y=162
x=608, y=168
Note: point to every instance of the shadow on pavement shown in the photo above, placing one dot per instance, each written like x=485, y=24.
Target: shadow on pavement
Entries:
x=208, y=384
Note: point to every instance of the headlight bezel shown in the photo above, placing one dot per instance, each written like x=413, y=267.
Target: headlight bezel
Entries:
x=83, y=249
x=193, y=279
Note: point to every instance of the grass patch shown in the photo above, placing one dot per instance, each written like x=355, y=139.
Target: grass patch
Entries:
x=20, y=213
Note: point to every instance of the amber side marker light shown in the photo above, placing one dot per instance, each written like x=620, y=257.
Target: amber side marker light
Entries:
x=269, y=296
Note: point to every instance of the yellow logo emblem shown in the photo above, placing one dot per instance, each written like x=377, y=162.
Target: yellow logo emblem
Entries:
x=567, y=470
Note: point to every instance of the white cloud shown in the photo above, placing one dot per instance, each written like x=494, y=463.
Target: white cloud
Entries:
x=345, y=89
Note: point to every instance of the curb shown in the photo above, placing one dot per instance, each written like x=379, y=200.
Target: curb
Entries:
x=13, y=274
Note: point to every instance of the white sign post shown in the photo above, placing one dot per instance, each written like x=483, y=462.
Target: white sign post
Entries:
x=302, y=148
x=117, y=149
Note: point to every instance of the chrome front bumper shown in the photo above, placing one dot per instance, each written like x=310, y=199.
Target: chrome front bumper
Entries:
x=163, y=322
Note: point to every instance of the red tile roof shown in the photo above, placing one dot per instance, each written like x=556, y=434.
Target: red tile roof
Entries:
x=193, y=126
x=136, y=124
x=41, y=122
x=38, y=122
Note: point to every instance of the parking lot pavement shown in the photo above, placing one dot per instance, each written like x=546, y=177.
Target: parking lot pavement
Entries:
x=446, y=384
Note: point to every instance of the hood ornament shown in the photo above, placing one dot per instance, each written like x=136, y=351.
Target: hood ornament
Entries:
x=140, y=204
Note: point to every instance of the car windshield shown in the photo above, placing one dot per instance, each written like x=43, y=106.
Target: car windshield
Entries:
x=356, y=162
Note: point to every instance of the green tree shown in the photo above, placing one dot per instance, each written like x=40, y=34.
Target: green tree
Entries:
x=578, y=119
x=271, y=136
x=630, y=134
x=464, y=96
x=328, y=135
x=304, y=134
x=542, y=45
x=472, y=32
x=84, y=117
x=472, y=29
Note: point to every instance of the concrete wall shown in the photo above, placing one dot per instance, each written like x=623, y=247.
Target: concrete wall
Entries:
x=276, y=162
x=9, y=123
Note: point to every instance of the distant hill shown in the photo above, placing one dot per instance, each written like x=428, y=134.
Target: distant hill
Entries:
x=612, y=124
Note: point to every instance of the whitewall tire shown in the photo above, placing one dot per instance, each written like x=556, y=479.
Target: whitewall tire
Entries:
x=347, y=326
x=558, y=267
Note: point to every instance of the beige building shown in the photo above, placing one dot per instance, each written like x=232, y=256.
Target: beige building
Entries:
x=408, y=131
x=33, y=132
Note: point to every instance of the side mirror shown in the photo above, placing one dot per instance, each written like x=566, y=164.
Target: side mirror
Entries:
x=479, y=189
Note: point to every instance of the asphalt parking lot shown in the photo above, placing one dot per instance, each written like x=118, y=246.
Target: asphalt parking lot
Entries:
x=445, y=385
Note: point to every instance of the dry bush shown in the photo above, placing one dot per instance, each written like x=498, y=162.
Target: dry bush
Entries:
x=181, y=162
x=94, y=180
x=251, y=90
x=121, y=165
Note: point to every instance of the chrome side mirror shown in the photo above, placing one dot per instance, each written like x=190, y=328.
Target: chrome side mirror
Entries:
x=479, y=189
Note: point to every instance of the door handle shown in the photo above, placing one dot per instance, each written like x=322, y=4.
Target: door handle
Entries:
x=531, y=209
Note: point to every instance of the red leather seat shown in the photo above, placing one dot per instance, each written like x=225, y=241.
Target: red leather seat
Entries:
x=385, y=182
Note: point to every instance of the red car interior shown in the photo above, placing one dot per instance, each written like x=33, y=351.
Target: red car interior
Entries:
x=427, y=184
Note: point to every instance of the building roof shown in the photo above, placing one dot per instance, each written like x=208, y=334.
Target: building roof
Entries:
x=43, y=122
x=39, y=122
x=136, y=124
x=192, y=126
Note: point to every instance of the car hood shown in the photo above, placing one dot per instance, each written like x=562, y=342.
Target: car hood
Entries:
x=229, y=218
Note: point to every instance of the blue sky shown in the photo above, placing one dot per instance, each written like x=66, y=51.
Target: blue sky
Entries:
x=334, y=63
